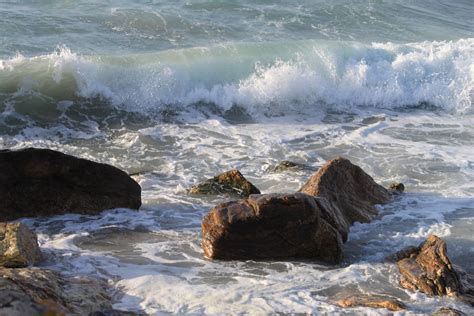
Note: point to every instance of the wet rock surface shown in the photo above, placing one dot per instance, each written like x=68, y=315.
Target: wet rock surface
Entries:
x=270, y=226
x=287, y=165
x=43, y=182
x=231, y=182
x=427, y=269
x=16, y=303
x=372, y=301
x=396, y=188
x=346, y=193
x=312, y=223
x=18, y=246
x=448, y=311
x=46, y=290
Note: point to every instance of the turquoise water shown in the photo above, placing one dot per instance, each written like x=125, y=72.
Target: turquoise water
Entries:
x=125, y=27
x=182, y=90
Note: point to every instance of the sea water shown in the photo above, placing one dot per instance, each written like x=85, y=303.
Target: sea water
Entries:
x=176, y=92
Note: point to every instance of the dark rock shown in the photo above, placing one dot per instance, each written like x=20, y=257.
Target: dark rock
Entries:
x=396, y=188
x=372, y=301
x=349, y=194
x=230, y=182
x=42, y=182
x=287, y=165
x=407, y=252
x=270, y=226
x=18, y=246
x=334, y=216
x=448, y=311
x=15, y=303
x=46, y=289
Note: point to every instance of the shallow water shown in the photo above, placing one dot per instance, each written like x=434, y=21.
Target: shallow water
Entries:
x=175, y=94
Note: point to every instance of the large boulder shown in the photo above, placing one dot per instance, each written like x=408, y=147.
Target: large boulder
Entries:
x=270, y=226
x=427, y=269
x=18, y=246
x=348, y=193
x=230, y=182
x=41, y=182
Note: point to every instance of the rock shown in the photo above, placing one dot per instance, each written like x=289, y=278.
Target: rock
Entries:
x=429, y=270
x=396, y=188
x=18, y=246
x=42, y=182
x=270, y=226
x=448, y=311
x=48, y=289
x=349, y=194
x=334, y=216
x=372, y=301
x=230, y=182
x=15, y=303
x=287, y=165
x=114, y=312
x=407, y=252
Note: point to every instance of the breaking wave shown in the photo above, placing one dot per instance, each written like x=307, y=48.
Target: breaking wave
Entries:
x=260, y=78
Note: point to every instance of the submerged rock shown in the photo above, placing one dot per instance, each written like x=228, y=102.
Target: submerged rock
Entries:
x=230, y=182
x=346, y=193
x=396, y=187
x=42, y=182
x=372, y=301
x=448, y=311
x=18, y=246
x=45, y=290
x=270, y=226
x=287, y=165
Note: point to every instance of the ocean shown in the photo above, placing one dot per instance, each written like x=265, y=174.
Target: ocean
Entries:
x=176, y=92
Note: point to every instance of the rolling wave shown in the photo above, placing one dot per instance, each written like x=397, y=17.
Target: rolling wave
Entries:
x=259, y=77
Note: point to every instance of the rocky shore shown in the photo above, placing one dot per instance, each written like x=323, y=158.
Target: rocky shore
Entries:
x=312, y=224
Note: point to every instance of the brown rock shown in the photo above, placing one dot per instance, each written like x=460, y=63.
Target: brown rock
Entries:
x=270, y=226
x=42, y=182
x=45, y=289
x=429, y=270
x=230, y=182
x=448, y=311
x=350, y=194
x=372, y=301
x=18, y=246
x=334, y=216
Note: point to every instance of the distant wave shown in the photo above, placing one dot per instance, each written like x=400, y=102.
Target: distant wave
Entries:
x=259, y=77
